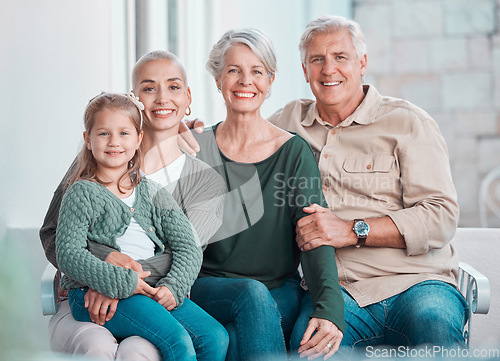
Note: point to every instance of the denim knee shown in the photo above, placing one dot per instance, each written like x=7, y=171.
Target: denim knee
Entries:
x=256, y=295
x=435, y=314
x=217, y=344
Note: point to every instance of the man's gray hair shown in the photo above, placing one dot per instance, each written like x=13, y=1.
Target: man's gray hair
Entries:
x=331, y=23
x=256, y=40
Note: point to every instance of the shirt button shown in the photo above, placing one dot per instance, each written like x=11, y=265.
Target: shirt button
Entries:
x=369, y=166
x=132, y=209
x=325, y=188
x=325, y=156
x=333, y=132
x=150, y=229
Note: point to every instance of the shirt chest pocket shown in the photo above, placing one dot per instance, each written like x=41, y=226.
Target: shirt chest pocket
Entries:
x=376, y=163
x=373, y=176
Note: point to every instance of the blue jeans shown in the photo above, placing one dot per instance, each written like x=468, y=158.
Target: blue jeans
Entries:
x=186, y=333
x=258, y=320
x=431, y=312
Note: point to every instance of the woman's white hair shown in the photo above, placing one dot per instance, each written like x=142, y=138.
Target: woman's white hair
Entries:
x=256, y=40
x=331, y=23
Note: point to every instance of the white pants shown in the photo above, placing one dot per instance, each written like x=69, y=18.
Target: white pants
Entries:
x=86, y=338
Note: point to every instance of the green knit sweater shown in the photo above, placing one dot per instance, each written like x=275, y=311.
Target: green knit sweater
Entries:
x=89, y=211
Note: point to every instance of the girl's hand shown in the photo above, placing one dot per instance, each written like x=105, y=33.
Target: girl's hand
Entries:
x=165, y=298
x=101, y=308
x=142, y=287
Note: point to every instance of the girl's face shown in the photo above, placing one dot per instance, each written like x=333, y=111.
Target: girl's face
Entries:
x=113, y=140
x=162, y=89
x=244, y=81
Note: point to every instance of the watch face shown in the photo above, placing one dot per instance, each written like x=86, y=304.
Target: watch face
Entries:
x=361, y=229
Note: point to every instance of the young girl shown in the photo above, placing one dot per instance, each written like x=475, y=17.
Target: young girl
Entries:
x=108, y=203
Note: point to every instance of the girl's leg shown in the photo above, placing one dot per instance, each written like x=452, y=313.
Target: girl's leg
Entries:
x=247, y=304
x=142, y=316
x=209, y=337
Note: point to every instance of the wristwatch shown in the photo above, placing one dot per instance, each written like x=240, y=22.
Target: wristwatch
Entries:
x=361, y=228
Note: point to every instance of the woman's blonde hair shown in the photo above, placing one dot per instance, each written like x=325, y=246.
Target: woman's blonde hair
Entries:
x=86, y=166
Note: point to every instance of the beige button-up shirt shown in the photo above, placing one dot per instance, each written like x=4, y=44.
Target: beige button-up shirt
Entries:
x=388, y=158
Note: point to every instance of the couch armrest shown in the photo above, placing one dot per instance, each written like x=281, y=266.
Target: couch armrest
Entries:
x=475, y=287
x=48, y=290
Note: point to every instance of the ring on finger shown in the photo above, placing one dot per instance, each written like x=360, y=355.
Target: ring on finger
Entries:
x=104, y=307
x=329, y=345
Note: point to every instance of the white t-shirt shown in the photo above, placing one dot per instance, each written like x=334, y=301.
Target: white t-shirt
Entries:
x=169, y=175
x=135, y=242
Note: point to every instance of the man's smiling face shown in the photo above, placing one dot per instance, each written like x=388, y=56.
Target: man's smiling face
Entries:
x=334, y=71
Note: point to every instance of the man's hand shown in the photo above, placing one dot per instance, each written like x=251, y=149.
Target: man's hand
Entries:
x=326, y=340
x=185, y=139
x=165, y=298
x=101, y=308
x=323, y=228
x=122, y=260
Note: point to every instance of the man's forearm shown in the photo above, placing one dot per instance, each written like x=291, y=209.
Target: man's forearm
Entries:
x=383, y=233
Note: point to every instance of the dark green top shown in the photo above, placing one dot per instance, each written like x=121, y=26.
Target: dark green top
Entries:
x=257, y=237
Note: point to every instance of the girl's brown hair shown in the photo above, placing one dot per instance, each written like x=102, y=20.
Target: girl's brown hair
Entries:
x=86, y=166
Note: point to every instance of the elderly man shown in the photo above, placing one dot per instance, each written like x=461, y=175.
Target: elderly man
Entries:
x=392, y=204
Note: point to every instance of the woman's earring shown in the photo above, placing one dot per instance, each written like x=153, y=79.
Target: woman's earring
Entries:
x=188, y=111
x=219, y=89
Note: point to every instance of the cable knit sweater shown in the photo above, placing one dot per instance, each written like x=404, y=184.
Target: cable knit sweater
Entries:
x=89, y=211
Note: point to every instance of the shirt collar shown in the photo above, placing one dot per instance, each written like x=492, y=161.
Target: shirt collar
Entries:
x=364, y=114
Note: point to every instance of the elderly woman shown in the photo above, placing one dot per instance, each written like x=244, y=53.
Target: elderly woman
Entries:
x=249, y=279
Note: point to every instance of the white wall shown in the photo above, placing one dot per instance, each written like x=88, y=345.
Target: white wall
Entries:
x=282, y=20
x=56, y=55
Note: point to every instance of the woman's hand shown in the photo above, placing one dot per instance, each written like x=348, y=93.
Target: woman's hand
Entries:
x=165, y=298
x=122, y=260
x=142, y=287
x=101, y=308
x=326, y=340
x=185, y=139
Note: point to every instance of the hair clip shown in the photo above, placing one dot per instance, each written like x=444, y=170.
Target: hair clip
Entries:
x=138, y=104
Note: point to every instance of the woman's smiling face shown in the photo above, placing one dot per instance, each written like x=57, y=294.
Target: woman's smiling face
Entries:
x=161, y=86
x=244, y=81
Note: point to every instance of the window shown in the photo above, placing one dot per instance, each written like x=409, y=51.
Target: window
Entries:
x=189, y=28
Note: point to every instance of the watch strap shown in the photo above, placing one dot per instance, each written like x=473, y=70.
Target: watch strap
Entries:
x=361, y=238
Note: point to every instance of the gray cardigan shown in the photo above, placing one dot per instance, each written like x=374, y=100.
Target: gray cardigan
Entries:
x=199, y=192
